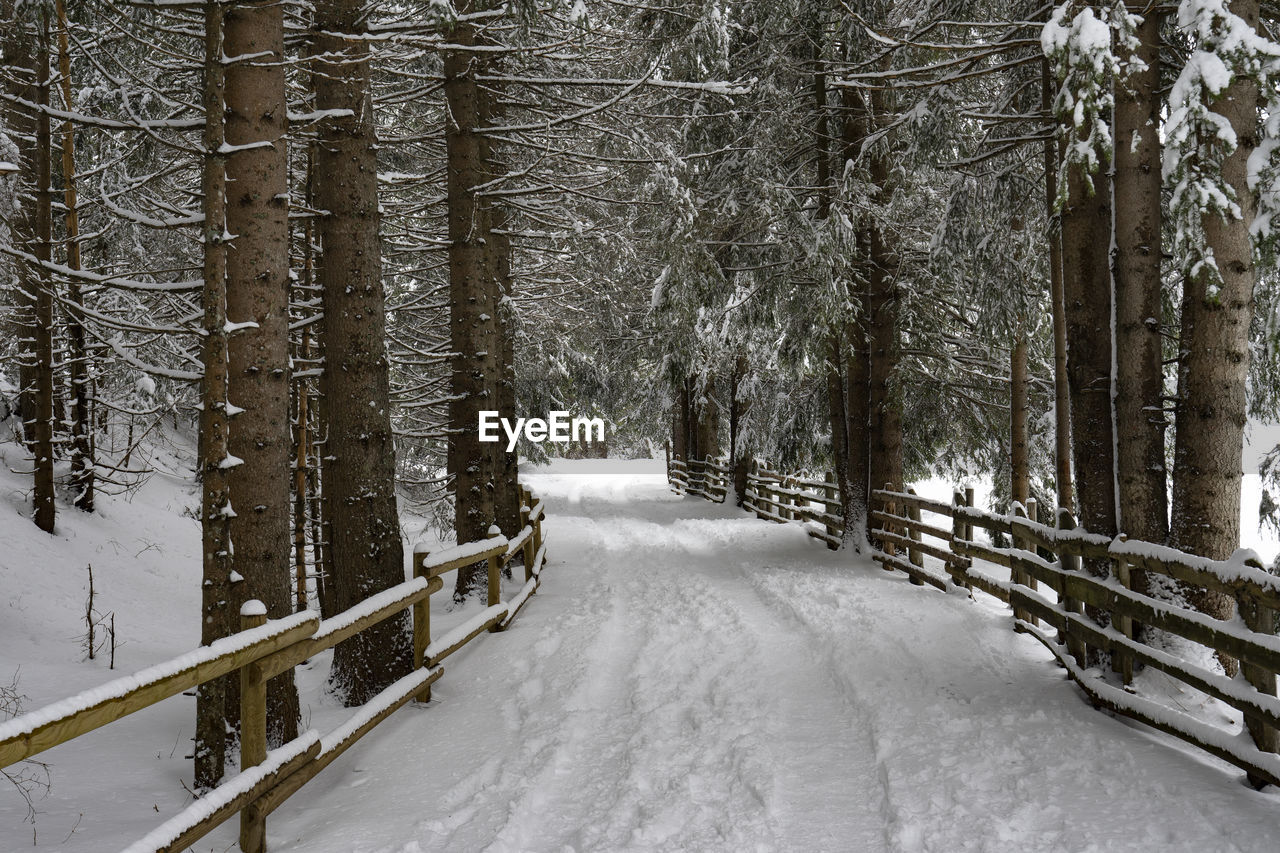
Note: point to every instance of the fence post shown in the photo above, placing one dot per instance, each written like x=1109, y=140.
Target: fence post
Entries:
x=752, y=466
x=667, y=445
x=1262, y=619
x=495, y=576
x=829, y=492
x=766, y=493
x=421, y=624
x=968, y=525
x=1071, y=563
x=914, y=556
x=1121, y=660
x=528, y=543
x=958, y=527
x=1033, y=515
x=537, y=527
x=253, y=730
x=890, y=508
x=1017, y=575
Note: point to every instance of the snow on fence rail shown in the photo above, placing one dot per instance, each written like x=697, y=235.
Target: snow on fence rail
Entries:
x=705, y=478
x=1087, y=588
x=263, y=649
x=1081, y=585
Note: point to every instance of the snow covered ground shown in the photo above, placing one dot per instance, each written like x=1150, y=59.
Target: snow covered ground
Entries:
x=687, y=678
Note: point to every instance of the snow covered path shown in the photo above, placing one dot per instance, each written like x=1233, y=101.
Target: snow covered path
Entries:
x=690, y=678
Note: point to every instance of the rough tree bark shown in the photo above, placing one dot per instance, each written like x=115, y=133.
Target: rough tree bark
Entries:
x=501, y=286
x=1139, y=402
x=41, y=228
x=470, y=309
x=365, y=553
x=680, y=424
x=708, y=427
x=739, y=456
x=82, y=464
x=837, y=417
x=1208, y=447
x=257, y=293
x=1057, y=298
x=215, y=621
x=19, y=60
x=1086, y=240
x=1019, y=408
x=885, y=445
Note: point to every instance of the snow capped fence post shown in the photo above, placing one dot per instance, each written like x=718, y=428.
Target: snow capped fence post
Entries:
x=1017, y=575
x=495, y=576
x=421, y=624
x=537, y=529
x=829, y=492
x=958, y=525
x=1262, y=619
x=1122, y=660
x=914, y=555
x=968, y=501
x=1033, y=515
x=528, y=552
x=253, y=729
x=1071, y=563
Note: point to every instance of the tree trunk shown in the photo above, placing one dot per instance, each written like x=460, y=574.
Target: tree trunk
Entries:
x=1208, y=447
x=82, y=463
x=257, y=293
x=885, y=446
x=855, y=485
x=1086, y=239
x=42, y=327
x=20, y=124
x=738, y=455
x=215, y=622
x=1057, y=297
x=821, y=155
x=470, y=307
x=709, y=425
x=301, y=453
x=838, y=417
x=365, y=555
x=506, y=467
x=1140, y=422
x=691, y=418
x=1019, y=406
x=680, y=424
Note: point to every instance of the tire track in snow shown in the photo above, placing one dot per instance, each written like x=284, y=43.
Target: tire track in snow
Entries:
x=699, y=725
x=690, y=678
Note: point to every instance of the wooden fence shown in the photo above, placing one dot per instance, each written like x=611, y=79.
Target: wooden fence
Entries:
x=263, y=649
x=772, y=495
x=780, y=497
x=1082, y=587
x=707, y=478
x=1074, y=591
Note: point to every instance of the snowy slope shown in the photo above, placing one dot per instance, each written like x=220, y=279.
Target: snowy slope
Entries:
x=687, y=678
x=111, y=787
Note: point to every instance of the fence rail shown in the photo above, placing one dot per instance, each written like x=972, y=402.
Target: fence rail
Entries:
x=265, y=648
x=1075, y=592
x=1081, y=586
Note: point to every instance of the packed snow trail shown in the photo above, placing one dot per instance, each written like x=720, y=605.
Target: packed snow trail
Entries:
x=691, y=678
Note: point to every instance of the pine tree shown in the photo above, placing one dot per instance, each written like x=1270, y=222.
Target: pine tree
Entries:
x=365, y=552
